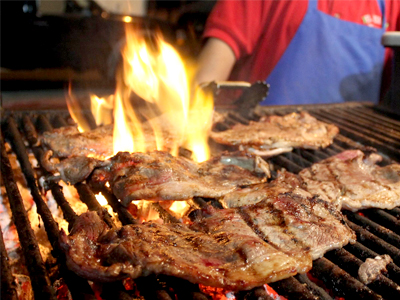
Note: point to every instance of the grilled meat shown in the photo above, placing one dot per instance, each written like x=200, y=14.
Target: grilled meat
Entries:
x=372, y=267
x=352, y=180
x=219, y=251
x=272, y=135
x=73, y=169
x=298, y=222
x=160, y=176
x=284, y=183
x=68, y=141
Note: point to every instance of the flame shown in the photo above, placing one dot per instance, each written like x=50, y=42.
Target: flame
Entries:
x=168, y=115
x=179, y=208
x=76, y=111
x=147, y=212
x=102, y=109
x=101, y=199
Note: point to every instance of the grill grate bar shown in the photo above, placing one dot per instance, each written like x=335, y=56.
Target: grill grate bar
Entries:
x=394, y=212
x=319, y=292
x=340, y=282
x=21, y=152
x=375, y=243
x=56, y=190
x=8, y=285
x=39, y=277
x=123, y=214
x=348, y=262
x=375, y=228
x=363, y=253
x=384, y=218
x=377, y=128
x=375, y=115
x=292, y=289
x=77, y=286
x=357, y=133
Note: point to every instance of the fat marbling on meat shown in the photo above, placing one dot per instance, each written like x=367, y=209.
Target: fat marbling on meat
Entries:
x=219, y=251
x=283, y=133
x=353, y=180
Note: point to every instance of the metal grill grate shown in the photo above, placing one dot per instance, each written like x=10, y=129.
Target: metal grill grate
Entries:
x=361, y=126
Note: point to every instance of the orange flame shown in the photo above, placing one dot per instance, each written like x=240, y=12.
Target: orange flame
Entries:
x=154, y=72
x=179, y=208
x=76, y=111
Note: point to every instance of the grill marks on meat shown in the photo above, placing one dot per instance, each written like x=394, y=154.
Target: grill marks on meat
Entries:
x=284, y=183
x=295, y=130
x=290, y=218
x=219, y=250
x=160, y=176
x=299, y=223
x=352, y=180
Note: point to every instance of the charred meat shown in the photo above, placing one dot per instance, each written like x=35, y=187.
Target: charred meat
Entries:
x=158, y=175
x=353, y=180
x=272, y=135
x=220, y=251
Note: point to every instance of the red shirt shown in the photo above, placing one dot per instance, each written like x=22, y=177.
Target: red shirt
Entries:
x=260, y=31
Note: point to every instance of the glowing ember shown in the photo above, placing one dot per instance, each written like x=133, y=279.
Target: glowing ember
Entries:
x=217, y=293
x=101, y=199
x=179, y=208
x=274, y=295
x=147, y=212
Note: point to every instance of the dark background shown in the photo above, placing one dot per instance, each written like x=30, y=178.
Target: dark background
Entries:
x=82, y=44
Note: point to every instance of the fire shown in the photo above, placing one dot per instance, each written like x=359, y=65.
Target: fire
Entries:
x=102, y=109
x=76, y=111
x=179, y=208
x=154, y=106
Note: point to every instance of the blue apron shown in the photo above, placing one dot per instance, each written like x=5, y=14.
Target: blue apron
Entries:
x=329, y=60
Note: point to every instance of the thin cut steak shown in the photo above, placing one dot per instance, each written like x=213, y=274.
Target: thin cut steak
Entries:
x=158, y=176
x=220, y=251
x=352, y=180
x=68, y=141
x=285, y=182
x=299, y=222
x=273, y=132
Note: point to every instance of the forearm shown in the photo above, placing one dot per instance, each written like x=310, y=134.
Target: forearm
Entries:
x=215, y=62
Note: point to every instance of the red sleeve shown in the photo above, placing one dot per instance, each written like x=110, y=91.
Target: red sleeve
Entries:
x=238, y=23
x=257, y=31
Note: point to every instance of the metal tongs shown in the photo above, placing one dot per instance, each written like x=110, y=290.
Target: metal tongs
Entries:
x=252, y=94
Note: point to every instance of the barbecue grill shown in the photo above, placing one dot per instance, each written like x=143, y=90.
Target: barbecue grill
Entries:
x=362, y=126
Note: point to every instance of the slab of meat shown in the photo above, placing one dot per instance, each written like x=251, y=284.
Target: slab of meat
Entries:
x=352, y=180
x=158, y=175
x=284, y=183
x=68, y=141
x=219, y=251
x=299, y=222
x=279, y=134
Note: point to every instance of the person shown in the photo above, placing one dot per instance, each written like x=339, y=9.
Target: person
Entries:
x=308, y=51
